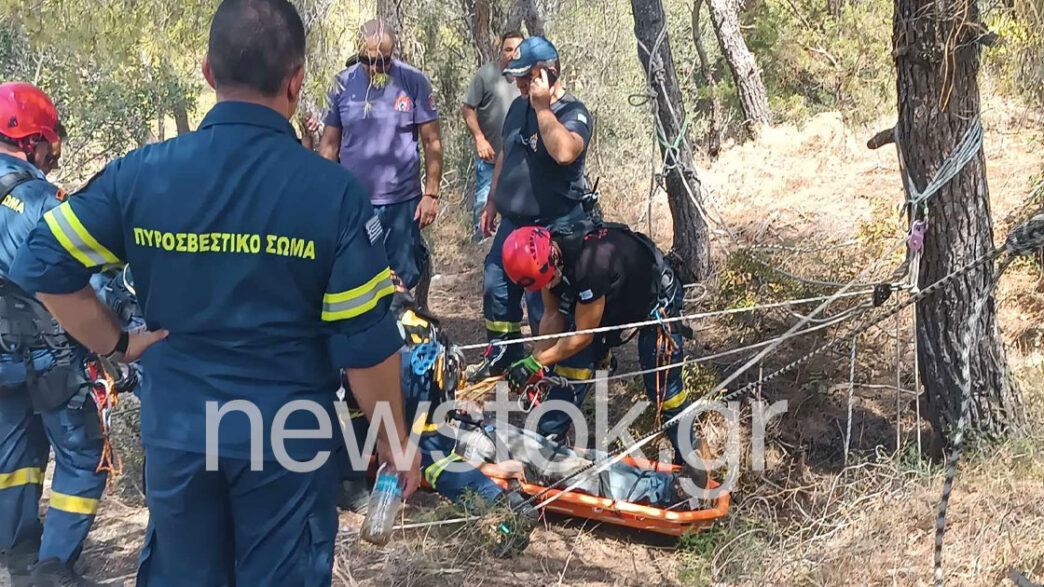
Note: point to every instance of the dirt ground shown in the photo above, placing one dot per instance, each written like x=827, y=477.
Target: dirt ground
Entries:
x=808, y=519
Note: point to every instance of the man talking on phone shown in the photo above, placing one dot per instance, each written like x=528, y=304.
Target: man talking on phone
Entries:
x=538, y=180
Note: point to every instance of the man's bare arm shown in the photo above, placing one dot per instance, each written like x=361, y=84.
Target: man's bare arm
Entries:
x=432, y=143
x=93, y=324
x=564, y=145
x=382, y=383
x=330, y=143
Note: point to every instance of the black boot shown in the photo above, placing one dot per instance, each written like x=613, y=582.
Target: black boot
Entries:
x=54, y=573
x=20, y=560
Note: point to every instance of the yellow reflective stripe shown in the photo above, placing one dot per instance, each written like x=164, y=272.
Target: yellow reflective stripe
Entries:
x=573, y=373
x=421, y=426
x=676, y=401
x=72, y=235
x=431, y=474
x=503, y=327
x=358, y=300
x=74, y=505
x=27, y=476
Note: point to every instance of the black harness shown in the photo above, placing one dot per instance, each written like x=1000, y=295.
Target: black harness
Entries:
x=570, y=238
x=9, y=181
x=26, y=326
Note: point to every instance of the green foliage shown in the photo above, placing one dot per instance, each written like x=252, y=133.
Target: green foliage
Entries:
x=813, y=62
x=702, y=554
x=1016, y=62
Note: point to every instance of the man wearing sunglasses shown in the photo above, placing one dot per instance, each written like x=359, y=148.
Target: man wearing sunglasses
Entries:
x=379, y=109
x=538, y=179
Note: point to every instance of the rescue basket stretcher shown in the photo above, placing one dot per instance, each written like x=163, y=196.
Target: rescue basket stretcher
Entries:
x=674, y=522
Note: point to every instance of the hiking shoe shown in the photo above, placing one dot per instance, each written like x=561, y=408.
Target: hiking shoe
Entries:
x=697, y=476
x=354, y=496
x=54, y=573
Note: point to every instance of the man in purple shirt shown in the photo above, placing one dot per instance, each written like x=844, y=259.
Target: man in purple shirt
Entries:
x=379, y=108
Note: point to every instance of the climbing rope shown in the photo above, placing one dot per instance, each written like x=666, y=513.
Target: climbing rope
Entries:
x=696, y=316
x=963, y=154
x=1024, y=240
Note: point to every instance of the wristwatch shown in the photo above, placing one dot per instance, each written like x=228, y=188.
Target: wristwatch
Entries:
x=116, y=355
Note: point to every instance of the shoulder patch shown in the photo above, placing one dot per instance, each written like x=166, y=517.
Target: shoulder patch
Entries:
x=60, y=195
x=431, y=102
x=581, y=117
x=586, y=295
x=374, y=230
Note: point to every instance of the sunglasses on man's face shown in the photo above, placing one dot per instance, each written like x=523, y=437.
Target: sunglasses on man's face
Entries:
x=380, y=62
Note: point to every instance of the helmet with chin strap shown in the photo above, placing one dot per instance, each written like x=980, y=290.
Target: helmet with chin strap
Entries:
x=27, y=115
x=527, y=258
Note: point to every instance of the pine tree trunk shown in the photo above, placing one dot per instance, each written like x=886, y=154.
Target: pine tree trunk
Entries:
x=938, y=96
x=479, y=19
x=181, y=119
x=691, y=238
x=391, y=14
x=714, y=132
x=529, y=12
x=753, y=97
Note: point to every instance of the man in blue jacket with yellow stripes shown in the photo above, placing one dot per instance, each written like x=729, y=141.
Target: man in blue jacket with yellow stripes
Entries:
x=260, y=271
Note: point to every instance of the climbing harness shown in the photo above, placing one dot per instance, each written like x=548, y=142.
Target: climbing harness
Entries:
x=105, y=381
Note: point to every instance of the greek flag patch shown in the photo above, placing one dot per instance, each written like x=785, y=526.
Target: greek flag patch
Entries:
x=581, y=117
x=586, y=295
x=374, y=230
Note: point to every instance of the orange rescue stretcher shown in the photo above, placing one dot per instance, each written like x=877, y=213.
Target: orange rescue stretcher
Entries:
x=672, y=522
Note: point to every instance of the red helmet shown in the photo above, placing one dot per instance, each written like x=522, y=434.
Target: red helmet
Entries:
x=527, y=258
x=25, y=111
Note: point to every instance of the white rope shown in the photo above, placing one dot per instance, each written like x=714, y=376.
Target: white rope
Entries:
x=851, y=400
x=970, y=145
x=697, y=316
x=705, y=359
x=722, y=385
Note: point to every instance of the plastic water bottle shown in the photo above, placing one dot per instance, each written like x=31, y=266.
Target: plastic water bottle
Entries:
x=385, y=503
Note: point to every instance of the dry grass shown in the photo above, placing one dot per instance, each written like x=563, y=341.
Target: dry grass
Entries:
x=808, y=519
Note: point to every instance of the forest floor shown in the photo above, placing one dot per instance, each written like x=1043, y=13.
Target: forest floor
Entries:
x=808, y=519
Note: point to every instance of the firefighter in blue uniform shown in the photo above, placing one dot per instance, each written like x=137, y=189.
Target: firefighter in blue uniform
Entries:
x=595, y=274
x=538, y=179
x=260, y=272
x=42, y=404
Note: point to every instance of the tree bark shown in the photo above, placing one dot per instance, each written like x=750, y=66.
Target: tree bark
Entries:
x=714, y=132
x=938, y=96
x=529, y=12
x=480, y=23
x=181, y=119
x=391, y=14
x=753, y=96
x=691, y=238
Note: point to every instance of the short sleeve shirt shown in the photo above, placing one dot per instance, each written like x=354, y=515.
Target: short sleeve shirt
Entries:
x=491, y=95
x=616, y=266
x=533, y=186
x=379, y=129
x=264, y=261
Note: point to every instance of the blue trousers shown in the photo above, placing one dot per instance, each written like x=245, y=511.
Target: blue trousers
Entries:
x=25, y=439
x=234, y=526
x=407, y=252
x=483, y=182
x=448, y=474
x=665, y=389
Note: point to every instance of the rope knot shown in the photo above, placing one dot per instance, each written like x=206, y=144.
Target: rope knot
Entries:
x=1027, y=238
